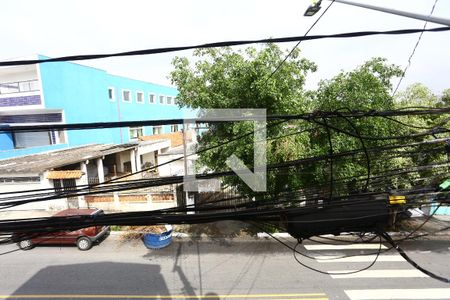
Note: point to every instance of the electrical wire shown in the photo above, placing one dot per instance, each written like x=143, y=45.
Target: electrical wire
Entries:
x=295, y=251
x=141, y=183
x=414, y=50
x=388, y=238
x=298, y=43
x=312, y=116
x=221, y=44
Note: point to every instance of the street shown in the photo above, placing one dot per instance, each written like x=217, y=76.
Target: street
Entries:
x=222, y=269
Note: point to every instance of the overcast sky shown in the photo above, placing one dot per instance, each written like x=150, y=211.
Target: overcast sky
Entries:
x=58, y=28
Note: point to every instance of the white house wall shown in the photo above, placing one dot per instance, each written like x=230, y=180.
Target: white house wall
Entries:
x=56, y=204
x=18, y=75
x=172, y=169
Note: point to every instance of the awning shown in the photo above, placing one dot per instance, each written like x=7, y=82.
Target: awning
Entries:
x=66, y=174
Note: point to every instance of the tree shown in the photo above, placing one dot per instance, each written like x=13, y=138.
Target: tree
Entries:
x=367, y=87
x=419, y=95
x=223, y=78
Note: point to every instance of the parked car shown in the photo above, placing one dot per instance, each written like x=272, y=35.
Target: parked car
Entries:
x=83, y=238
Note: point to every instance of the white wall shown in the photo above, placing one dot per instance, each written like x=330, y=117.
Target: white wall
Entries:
x=148, y=157
x=18, y=74
x=172, y=169
x=121, y=158
x=127, y=206
x=44, y=183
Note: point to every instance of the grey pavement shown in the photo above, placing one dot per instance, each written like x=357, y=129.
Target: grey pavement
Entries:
x=222, y=269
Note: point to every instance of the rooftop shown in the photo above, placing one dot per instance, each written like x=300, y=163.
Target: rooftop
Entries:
x=176, y=138
x=38, y=163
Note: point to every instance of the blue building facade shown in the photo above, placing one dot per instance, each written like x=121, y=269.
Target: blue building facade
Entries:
x=64, y=92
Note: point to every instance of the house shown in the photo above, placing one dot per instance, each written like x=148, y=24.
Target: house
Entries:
x=65, y=92
x=67, y=169
x=175, y=154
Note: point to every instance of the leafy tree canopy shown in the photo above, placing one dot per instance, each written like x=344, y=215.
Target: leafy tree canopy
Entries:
x=224, y=78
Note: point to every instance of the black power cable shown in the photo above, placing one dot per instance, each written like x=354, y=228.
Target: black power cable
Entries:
x=222, y=44
x=298, y=44
x=295, y=251
x=340, y=273
x=394, y=245
x=414, y=50
x=312, y=116
x=141, y=183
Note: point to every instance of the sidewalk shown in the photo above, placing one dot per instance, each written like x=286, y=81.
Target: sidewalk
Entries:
x=235, y=229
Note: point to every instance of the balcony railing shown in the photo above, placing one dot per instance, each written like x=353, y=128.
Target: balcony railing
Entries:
x=19, y=86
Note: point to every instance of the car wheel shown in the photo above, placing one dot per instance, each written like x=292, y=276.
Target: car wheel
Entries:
x=84, y=243
x=25, y=244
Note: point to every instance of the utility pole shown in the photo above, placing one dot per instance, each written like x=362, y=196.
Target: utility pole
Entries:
x=406, y=14
x=312, y=9
x=186, y=193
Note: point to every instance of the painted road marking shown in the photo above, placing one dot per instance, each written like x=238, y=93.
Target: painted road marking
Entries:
x=359, y=258
x=379, y=274
x=344, y=247
x=309, y=296
x=410, y=294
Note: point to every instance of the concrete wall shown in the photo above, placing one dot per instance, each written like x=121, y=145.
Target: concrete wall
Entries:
x=14, y=74
x=44, y=183
x=132, y=202
x=172, y=169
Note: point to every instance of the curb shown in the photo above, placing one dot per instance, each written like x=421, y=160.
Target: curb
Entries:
x=285, y=235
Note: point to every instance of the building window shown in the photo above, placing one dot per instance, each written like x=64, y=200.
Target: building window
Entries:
x=127, y=167
x=151, y=98
x=63, y=185
x=174, y=128
x=157, y=130
x=175, y=101
x=36, y=139
x=169, y=100
x=136, y=132
x=126, y=96
x=111, y=94
x=161, y=99
x=139, y=97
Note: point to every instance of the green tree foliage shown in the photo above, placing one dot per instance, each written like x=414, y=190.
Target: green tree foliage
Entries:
x=368, y=87
x=418, y=95
x=223, y=78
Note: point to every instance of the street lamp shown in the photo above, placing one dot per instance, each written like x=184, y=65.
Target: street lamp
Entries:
x=315, y=7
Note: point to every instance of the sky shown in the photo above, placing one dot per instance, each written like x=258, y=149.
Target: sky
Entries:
x=59, y=28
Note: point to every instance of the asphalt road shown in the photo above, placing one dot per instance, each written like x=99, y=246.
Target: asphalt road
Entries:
x=221, y=269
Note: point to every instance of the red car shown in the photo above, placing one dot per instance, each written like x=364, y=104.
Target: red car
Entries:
x=83, y=238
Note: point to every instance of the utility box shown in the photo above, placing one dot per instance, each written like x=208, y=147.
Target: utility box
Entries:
x=335, y=217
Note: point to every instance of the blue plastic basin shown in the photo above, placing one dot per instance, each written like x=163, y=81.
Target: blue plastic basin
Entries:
x=158, y=241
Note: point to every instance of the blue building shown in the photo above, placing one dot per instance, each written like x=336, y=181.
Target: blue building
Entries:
x=64, y=92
